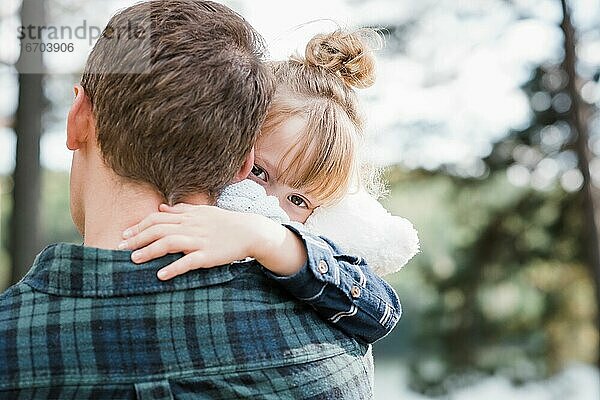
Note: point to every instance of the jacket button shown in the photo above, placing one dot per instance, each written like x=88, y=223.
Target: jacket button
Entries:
x=355, y=292
x=323, y=267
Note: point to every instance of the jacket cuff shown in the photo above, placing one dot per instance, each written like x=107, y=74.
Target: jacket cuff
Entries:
x=320, y=269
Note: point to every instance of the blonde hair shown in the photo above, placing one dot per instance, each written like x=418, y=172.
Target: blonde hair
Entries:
x=319, y=87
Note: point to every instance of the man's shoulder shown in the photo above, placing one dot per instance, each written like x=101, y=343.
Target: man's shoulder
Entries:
x=231, y=326
x=16, y=305
x=13, y=297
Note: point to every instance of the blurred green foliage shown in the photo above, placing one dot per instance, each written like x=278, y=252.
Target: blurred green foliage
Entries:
x=56, y=224
x=500, y=285
x=5, y=206
x=504, y=284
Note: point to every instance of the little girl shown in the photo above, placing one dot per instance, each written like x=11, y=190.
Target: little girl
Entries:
x=307, y=170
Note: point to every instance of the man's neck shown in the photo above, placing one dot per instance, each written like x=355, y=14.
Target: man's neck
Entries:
x=110, y=209
x=109, y=213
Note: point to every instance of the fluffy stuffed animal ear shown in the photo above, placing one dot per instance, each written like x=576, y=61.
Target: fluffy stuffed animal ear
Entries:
x=362, y=226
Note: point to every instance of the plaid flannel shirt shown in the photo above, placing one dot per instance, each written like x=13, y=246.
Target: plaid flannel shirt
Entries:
x=87, y=323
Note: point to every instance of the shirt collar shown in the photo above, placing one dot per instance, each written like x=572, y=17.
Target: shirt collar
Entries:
x=66, y=269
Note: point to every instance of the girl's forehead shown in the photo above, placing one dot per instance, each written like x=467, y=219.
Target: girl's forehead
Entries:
x=286, y=133
x=282, y=140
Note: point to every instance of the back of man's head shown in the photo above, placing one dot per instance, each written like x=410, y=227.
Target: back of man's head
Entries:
x=178, y=92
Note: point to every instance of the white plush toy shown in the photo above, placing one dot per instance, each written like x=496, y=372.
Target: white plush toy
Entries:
x=359, y=224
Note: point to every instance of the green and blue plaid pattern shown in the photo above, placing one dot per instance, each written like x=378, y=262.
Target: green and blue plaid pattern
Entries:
x=88, y=323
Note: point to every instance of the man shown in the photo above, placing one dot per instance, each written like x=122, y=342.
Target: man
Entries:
x=168, y=109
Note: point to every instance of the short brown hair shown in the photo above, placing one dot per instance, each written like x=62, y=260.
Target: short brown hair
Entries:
x=180, y=108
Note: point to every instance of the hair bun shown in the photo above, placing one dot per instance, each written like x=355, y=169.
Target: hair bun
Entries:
x=347, y=54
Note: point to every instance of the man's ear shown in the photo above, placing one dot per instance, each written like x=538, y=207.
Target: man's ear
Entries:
x=246, y=167
x=80, y=122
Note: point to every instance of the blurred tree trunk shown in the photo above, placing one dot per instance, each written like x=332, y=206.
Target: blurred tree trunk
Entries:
x=577, y=116
x=24, y=231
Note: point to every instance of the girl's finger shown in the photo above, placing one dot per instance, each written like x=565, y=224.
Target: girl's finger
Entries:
x=152, y=234
x=185, y=264
x=178, y=208
x=166, y=245
x=152, y=219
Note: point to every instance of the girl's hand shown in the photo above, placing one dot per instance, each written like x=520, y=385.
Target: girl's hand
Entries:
x=210, y=236
x=207, y=235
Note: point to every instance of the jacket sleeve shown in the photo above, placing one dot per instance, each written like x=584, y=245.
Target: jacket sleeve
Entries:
x=343, y=290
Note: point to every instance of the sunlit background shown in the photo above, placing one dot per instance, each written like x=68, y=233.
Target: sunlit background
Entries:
x=487, y=148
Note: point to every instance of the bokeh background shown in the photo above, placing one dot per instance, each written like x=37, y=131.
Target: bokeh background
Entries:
x=485, y=117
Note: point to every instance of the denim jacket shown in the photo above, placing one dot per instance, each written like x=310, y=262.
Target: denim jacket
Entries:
x=343, y=290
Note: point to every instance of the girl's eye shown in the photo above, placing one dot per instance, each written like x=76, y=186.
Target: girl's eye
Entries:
x=297, y=201
x=259, y=173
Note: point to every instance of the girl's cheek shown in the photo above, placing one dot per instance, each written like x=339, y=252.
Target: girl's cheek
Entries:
x=298, y=214
x=293, y=212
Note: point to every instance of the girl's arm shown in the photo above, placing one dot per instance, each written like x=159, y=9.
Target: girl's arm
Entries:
x=340, y=287
x=210, y=236
x=343, y=289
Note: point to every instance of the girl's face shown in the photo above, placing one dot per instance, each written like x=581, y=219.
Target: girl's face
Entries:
x=269, y=152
